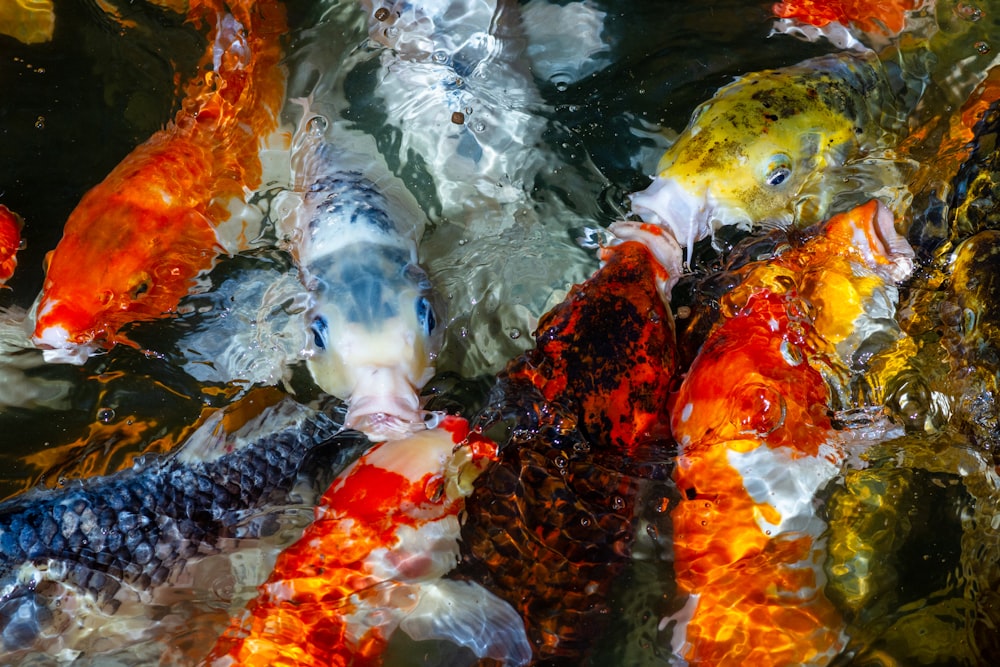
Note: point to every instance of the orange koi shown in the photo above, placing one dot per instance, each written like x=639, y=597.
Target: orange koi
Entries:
x=385, y=533
x=10, y=242
x=753, y=421
x=145, y=232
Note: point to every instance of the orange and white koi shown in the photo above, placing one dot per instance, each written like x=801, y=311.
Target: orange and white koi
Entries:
x=135, y=242
x=10, y=242
x=753, y=421
x=385, y=533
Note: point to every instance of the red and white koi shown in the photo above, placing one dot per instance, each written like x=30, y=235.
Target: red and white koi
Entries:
x=752, y=418
x=135, y=243
x=385, y=533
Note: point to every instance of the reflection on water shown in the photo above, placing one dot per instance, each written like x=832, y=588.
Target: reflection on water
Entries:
x=517, y=152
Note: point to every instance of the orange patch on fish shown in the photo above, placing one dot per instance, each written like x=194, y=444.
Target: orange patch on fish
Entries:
x=872, y=17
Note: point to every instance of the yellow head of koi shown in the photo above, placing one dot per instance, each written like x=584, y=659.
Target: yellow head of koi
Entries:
x=751, y=153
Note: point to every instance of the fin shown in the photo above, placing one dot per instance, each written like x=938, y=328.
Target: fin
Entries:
x=469, y=615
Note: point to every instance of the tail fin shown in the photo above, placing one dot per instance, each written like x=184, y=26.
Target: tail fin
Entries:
x=469, y=615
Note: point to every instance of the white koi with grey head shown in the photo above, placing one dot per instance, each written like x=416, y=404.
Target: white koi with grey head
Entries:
x=372, y=315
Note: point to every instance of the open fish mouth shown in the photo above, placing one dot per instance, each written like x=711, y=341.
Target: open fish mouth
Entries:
x=690, y=216
x=57, y=348
x=385, y=406
x=888, y=251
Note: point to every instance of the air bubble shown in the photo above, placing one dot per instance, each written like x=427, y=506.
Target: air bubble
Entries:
x=317, y=125
x=982, y=48
x=105, y=415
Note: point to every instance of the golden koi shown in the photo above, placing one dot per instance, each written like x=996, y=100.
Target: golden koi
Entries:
x=385, y=533
x=10, y=242
x=135, y=242
x=752, y=418
x=767, y=148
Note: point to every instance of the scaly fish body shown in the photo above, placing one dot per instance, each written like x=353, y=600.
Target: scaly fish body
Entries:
x=752, y=418
x=766, y=148
x=73, y=556
x=555, y=522
x=136, y=241
x=10, y=242
x=354, y=237
x=385, y=533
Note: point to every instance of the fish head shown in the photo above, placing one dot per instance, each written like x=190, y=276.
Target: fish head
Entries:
x=120, y=271
x=770, y=369
x=745, y=157
x=375, y=337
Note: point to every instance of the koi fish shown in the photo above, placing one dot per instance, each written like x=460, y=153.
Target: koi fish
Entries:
x=354, y=238
x=28, y=21
x=163, y=214
x=10, y=242
x=775, y=146
x=752, y=418
x=552, y=526
x=73, y=557
x=385, y=533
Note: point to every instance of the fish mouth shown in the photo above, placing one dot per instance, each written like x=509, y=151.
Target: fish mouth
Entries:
x=669, y=204
x=384, y=406
x=886, y=251
x=58, y=347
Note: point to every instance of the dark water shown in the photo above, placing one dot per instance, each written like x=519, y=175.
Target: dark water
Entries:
x=73, y=108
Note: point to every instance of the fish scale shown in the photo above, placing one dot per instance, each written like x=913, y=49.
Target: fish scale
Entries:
x=139, y=528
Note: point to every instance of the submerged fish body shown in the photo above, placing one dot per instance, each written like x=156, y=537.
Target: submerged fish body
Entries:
x=385, y=534
x=157, y=220
x=766, y=148
x=372, y=315
x=72, y=557
x=454, y=80
x=10, y=242
x=753, y=421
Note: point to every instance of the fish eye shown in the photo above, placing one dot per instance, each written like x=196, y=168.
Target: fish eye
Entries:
x=778, y=170
x=425, y=315
x=319, y=328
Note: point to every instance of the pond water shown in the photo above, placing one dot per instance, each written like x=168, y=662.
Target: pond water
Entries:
x=596, y=125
